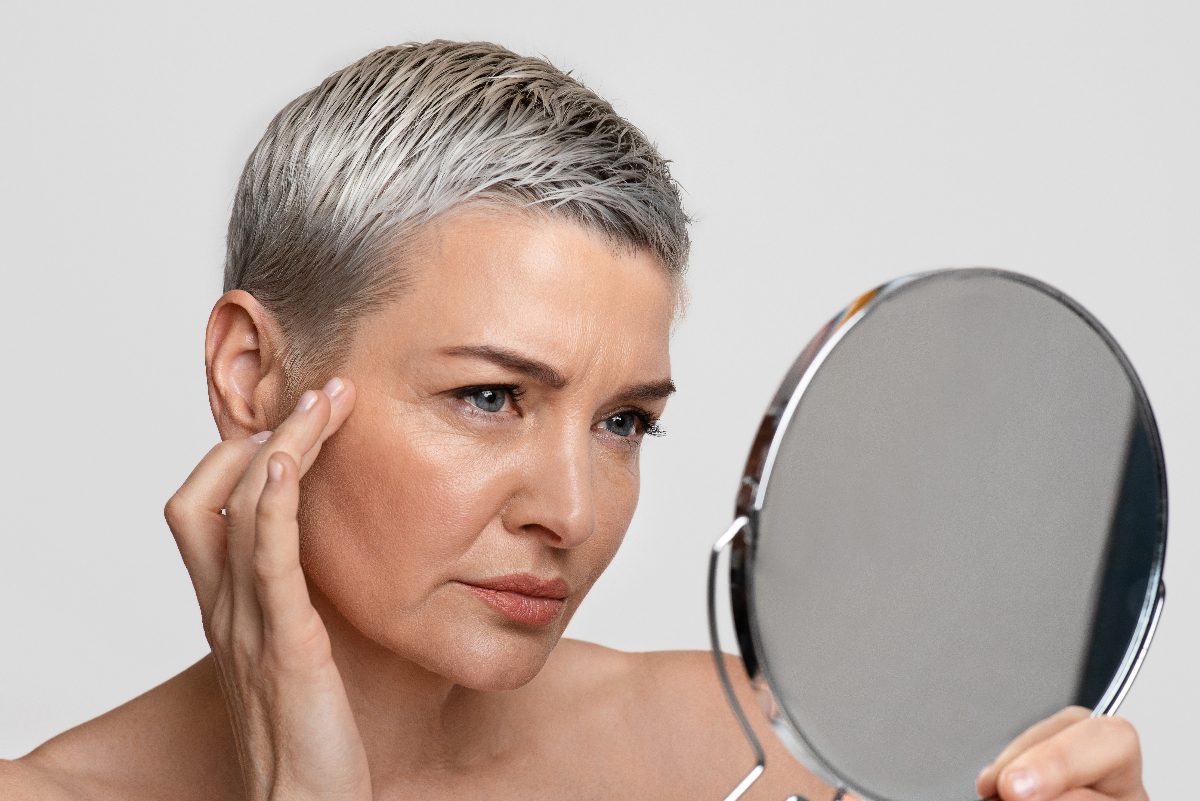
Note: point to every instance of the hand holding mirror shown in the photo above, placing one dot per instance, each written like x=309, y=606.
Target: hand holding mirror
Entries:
x=952, y=524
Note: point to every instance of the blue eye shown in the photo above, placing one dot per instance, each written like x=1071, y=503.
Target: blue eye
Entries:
x=622, y=424
x=489, y=399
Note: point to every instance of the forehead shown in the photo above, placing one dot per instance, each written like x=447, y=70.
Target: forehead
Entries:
x=536, y=282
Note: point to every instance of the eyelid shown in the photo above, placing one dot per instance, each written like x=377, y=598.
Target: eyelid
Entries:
x=648, y=419
x=512, y=391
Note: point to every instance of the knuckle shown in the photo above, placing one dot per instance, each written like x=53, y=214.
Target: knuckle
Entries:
x=1123, y=733
x=305, y=648
x=267, y=571
x=266, y=508
x=175, y=510
x=1053, y=763
x=1058, y=764
x=1048, y=761
x=234, y=507
x=273, y=513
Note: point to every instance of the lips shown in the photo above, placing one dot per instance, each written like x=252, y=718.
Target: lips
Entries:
x=521, y=597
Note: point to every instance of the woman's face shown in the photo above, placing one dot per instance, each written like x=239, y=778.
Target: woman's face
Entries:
x=501, y=406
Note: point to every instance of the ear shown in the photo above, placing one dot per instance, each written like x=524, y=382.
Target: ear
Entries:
x=242, y=349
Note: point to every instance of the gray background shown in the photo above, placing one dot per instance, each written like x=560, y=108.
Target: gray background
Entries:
x=823, y=149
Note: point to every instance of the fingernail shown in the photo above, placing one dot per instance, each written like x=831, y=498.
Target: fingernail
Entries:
x=306, y=401
x=274, y=469
x=1024, y=784
x=334, y=386
x=261, y=437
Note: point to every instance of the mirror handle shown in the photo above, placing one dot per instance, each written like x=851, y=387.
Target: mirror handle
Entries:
x=759, y=757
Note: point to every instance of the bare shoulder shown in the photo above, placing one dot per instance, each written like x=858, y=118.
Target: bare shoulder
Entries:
x=662, y=716
x=658, y=692
x=677, y=683
x=684, y=690
x=25, y=779
x=646, y=675
x=172, y=736
x=594, y=685
x=690, y=704
x=67, y=766
x=588, y=661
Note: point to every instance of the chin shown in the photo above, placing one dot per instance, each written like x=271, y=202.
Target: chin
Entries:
x=493, y=677
x=491, y=660
x=460, y=640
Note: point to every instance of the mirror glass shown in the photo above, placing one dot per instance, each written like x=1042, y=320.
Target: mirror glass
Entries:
x=955, y=521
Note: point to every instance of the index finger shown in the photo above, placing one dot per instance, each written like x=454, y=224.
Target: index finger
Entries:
x=985, y=784
x=194, y=511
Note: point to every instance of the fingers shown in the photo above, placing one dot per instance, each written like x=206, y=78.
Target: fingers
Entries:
x=342, y=402
x=194, y=516
x=1083, y=794
x=278, y=577
x=217, y=547
x=294, y=436
x=985, y=784
x=293, y=726
x=300, y=436
x=1101, y=754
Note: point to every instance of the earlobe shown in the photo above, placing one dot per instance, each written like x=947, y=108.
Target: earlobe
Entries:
x=239, y=346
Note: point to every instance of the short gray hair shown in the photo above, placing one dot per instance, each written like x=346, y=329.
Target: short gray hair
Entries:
x=347, y=173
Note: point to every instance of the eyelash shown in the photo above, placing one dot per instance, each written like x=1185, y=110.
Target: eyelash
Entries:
x=649, y=420
x=513, y=391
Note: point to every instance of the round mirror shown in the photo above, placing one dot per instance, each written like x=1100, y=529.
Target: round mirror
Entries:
x=952, y=524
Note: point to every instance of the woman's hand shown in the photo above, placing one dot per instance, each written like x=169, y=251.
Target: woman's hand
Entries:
x=1070, y=756
x=296, y=735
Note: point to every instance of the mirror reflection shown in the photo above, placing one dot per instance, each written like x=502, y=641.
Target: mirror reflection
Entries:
x=956, y=530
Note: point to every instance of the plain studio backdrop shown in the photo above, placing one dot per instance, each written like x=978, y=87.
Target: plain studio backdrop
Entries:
x=822, y=148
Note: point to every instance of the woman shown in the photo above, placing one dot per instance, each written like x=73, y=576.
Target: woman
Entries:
x=479, y=262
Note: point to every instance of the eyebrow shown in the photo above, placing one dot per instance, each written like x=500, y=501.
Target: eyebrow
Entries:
x=545, y=374
x=655, y=390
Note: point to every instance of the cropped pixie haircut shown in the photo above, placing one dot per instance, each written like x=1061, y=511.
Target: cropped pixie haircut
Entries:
x=347, y=173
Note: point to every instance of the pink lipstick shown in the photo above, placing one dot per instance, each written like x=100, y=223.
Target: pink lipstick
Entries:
x=521, y=597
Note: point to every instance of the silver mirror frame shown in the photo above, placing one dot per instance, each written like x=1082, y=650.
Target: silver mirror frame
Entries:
x=741, y=535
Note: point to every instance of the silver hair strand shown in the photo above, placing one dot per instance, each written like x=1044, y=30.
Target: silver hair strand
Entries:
x=348, y=173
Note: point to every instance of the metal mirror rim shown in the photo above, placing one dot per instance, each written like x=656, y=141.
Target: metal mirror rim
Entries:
x=742, y=539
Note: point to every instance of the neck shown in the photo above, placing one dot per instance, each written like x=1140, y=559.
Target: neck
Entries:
x=413, y=723
x=417, y=727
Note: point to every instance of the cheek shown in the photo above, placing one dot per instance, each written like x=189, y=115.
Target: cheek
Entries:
x=389, y=510
x=397, y=504
x=617, y=487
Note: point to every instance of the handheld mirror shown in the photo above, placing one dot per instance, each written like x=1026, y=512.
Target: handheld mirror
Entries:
x=952, y=524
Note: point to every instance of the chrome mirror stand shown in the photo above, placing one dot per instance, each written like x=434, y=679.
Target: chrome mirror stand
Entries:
x=760, y=759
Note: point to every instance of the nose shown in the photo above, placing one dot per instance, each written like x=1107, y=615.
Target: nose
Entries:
x=556, y=496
